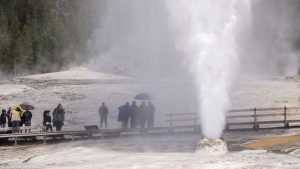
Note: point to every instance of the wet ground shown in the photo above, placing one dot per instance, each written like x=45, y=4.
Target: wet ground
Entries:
x=148, y=151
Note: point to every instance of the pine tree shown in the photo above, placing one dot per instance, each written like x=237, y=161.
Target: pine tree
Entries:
x=44, y=36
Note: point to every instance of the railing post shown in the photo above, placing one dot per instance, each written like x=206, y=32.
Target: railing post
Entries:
x=45, y=139
x=171, y=123
x=195, y=122
x=171, y=120
x=226, y=124
x=256, y=125
x=16, y=142
x=286, y=124
x=195, y=118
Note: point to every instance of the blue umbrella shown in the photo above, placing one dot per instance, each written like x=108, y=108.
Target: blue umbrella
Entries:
x=143, y=96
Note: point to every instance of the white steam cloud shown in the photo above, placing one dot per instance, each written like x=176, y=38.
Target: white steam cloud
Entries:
x=270, y=43
x=134, y=35
x=206, y=36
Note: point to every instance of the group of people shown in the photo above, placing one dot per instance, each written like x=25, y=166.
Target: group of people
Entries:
x=15, y=117
x=58, y=118
x=131, y=114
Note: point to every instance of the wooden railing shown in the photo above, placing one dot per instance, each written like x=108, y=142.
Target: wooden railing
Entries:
x=190, y=118
x=239, y=118
x=259, y=116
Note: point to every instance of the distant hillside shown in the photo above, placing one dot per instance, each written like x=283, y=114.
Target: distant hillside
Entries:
x=44, y=35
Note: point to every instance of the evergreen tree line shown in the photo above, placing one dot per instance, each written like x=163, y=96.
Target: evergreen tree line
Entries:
x=44, y=35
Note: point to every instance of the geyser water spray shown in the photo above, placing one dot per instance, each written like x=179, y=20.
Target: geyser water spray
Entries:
x=206, y=37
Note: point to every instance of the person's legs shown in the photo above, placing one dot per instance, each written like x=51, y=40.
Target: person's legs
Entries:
x=147, y=121
x=27, y=124
x=59, y=126
x=17, y=126
x=48, y=126
x=136, y=120
x=105, y=122
x=150, y=121
x=101, y=123
x=131, y=122
x=143, y=123
x=21, y=124
x=13, y=126
x=123, y=124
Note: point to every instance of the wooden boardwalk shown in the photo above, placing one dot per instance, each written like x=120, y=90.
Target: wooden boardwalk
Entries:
x=241, y=119
x=72, y=135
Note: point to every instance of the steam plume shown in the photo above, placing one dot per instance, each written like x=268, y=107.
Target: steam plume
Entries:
x=206, y=36
x=270, y=43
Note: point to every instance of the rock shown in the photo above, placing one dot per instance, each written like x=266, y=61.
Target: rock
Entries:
x=212, y=146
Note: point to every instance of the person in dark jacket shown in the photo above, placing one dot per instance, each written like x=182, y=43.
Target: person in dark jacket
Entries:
x=8, y=115
x=27, y=118
x=103, y=111
x=3, y=118
x=22, y=122
x=150, y=109
x=47, y=120
x=133, y=115
x=123, y=116
x=58, y=117
x=142, y=114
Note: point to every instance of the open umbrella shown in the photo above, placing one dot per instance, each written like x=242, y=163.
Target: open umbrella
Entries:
x=27, y=105
x=143, y=96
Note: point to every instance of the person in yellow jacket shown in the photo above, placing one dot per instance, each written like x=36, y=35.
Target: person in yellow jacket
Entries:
x=16, y=118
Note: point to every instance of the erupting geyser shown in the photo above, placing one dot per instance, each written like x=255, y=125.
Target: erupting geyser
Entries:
x=206, y=37
x=212, y=146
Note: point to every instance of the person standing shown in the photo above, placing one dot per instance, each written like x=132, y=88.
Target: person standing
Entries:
x=58, y=117
x=133, y=115
x=142, y=114
x=27, y=118
x=47, y=120
x=124, y=115
x=8, y=115
x=103, y=111
x=150, y=114
x=15, y=119
x=3, y=118
x=22, y=122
